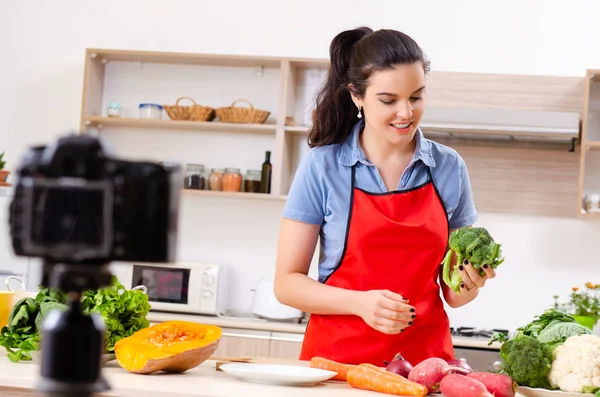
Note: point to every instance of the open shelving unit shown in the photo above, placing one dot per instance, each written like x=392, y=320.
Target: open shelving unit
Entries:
x=286, y=87
x=589, y=179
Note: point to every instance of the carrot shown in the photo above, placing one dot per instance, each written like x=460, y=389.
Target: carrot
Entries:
x=330, y=365
x=365, y=377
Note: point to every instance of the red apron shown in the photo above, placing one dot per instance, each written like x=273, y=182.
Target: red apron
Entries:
x=394, y=241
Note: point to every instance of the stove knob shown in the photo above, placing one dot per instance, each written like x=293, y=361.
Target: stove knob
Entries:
x=497, y=365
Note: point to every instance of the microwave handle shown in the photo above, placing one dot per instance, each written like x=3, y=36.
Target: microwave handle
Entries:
x=141, y=287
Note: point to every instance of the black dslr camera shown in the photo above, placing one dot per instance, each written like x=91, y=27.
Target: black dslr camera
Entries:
x=78, y=208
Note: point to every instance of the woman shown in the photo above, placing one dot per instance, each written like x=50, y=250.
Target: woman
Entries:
x=383, y=200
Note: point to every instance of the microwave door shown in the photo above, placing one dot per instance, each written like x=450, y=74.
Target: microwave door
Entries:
x=168, y=288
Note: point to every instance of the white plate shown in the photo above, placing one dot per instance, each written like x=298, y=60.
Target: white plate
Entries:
x=289, y=375
x=531, y=392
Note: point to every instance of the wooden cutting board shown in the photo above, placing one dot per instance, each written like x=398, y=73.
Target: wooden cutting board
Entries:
x=257, y=360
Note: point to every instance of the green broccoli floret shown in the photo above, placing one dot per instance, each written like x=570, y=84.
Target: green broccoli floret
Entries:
x=527, y=361
x=474, y=244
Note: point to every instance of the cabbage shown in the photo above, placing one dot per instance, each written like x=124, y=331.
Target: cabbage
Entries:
x=556, y=333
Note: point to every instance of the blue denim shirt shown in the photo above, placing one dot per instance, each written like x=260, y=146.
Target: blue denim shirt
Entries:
x=320, y=192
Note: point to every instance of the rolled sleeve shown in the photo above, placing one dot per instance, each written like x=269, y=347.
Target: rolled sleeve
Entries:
x=465, y=213
x=305, y=201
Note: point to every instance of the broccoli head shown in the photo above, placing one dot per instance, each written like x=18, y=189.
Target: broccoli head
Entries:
x=528, y=361
x=474, y=244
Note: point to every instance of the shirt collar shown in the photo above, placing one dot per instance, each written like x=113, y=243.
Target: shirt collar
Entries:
x=351, y=152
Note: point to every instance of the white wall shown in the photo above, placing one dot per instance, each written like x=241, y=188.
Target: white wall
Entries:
x=42, y=45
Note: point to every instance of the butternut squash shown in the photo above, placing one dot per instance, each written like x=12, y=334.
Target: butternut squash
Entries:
x=171, y=346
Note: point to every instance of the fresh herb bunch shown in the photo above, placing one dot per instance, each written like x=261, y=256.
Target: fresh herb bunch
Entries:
x=2, y=162
x=123, y=311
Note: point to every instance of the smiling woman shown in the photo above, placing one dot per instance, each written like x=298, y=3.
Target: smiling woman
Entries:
x=383, y=200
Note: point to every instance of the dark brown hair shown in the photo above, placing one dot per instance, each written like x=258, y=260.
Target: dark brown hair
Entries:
x=354, y=56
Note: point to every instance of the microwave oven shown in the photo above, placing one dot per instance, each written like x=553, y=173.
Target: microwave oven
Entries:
x=181, y=287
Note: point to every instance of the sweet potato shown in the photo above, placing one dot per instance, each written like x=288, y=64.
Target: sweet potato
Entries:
x=454, y=385
x=499, y=385
x=431, y=371
x=330, y=365
x=366, y=377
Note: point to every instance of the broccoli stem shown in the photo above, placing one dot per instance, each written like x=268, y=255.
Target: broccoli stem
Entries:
x=446, y=267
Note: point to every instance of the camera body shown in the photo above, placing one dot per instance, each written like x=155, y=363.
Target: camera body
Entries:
x=75, y=203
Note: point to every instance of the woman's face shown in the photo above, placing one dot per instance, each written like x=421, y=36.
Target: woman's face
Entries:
x=394, y=103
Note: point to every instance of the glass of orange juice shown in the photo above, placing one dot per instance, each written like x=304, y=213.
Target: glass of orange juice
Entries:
x=7, y=300
x=6, y=304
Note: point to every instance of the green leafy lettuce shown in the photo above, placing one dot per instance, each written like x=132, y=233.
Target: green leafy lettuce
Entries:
x=124, y=312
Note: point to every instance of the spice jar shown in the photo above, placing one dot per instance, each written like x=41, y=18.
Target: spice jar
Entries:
x=232, y=180
x=252, y=181
x=194, y=177
x=215, y=179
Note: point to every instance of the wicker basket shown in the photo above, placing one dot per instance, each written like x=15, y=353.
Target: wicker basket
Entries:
x=192, y=113
x=232, y=114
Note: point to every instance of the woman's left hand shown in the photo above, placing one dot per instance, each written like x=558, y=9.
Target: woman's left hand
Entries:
x=471, y=277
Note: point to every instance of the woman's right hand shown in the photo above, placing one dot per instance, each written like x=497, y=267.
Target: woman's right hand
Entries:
x=385, y=311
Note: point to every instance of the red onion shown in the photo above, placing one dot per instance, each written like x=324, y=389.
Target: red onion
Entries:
x=461, y=363
x=399, y=366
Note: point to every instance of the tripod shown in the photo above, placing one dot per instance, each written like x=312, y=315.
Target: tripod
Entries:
x=73, y=343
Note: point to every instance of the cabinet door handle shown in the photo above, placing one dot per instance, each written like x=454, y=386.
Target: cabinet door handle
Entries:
x=249, y=336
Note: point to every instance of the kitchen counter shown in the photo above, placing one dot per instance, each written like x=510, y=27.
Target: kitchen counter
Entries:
x=19, y=379
x=288, y=327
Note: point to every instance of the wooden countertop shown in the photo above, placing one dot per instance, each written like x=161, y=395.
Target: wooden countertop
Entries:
x=19, y=380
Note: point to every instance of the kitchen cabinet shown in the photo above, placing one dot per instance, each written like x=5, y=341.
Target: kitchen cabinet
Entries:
x=285, y=345
x=244, y=342
x=589, y=174
x=509, y=173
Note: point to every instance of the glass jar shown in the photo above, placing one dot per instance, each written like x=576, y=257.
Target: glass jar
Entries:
x=232, y=180
x=150, y=111
x=114, y=109
x=194, y=177
x=215, y=179
x=252, y=181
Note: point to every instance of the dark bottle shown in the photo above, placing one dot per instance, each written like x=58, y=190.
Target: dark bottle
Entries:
x=265, y=176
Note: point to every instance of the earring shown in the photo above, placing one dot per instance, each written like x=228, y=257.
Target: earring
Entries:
x=359, y=115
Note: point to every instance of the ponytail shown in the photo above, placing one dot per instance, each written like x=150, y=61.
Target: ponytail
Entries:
x=335, y=113
x=354, y=56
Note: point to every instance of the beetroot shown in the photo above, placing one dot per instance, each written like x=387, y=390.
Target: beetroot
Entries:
x=399, y=365
x=454, y=385
x=431, y=371
x=499, y=385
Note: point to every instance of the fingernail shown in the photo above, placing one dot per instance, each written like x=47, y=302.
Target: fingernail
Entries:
x=402, y=330
x=414, y=315
x=466, y=262
x=462, y=285
x=485, y=266
x=461, y=268
x=412, y=310
x=410, y=323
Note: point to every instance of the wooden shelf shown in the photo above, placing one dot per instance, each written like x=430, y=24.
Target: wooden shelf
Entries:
x=591, y=215
x=300, y=130
x=234, y=195
x=183, y=58
x=593, y=144
x=101, y=122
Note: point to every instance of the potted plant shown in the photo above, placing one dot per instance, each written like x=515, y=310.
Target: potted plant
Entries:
x=583, y=304
x=3, y=173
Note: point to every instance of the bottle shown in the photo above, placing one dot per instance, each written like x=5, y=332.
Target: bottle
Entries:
x=265, y=177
